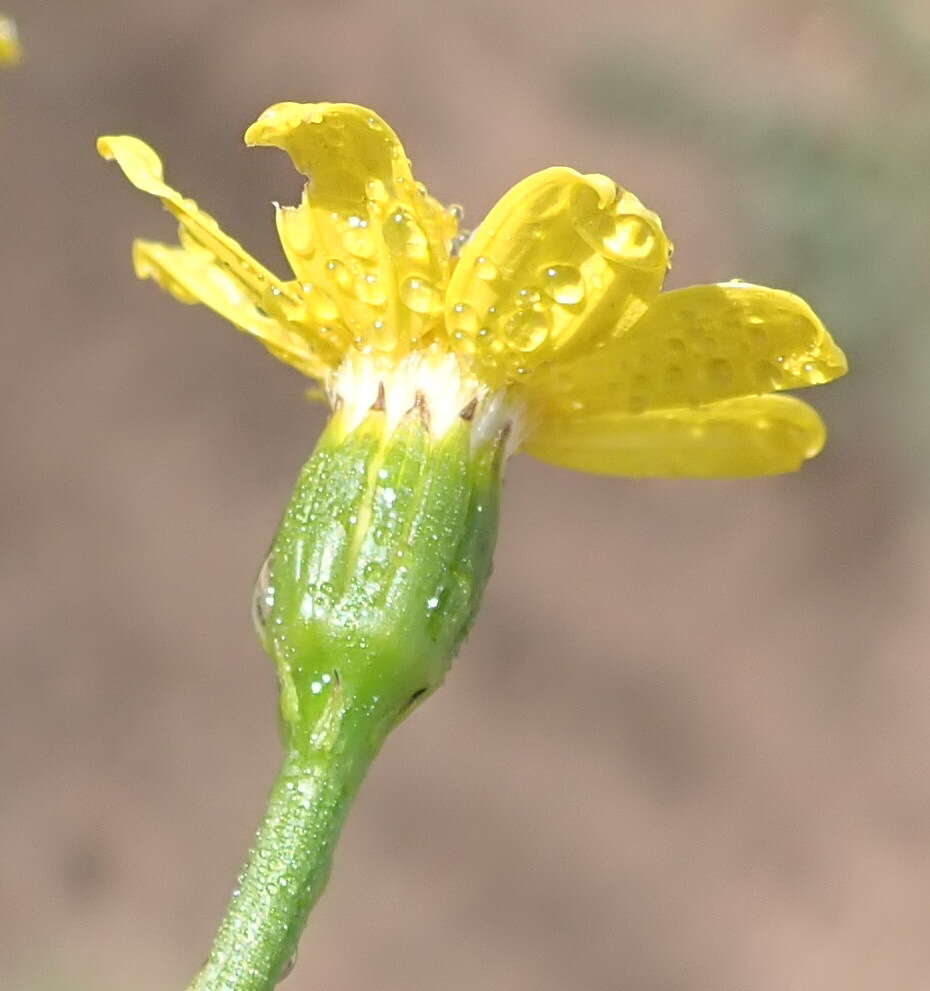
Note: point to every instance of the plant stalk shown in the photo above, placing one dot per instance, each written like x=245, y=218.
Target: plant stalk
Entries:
x=284, y=875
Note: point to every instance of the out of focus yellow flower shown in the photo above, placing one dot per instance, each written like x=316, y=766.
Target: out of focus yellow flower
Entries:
x=10, y=52
x=552, y=307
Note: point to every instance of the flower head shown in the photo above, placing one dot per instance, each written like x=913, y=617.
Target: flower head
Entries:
x=10, y=51
x=550, y=314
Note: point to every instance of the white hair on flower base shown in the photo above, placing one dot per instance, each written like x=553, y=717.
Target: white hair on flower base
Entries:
x=433, y=378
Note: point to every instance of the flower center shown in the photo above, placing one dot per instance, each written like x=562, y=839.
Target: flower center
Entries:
x=435, y=381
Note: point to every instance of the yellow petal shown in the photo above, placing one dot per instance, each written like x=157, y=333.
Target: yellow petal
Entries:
x=210, y=267
x=143, y=168
x=698, y=345
x=192, y=275
x=562, y=261
x=733, y=438
x=10, y=51
x=366, y=233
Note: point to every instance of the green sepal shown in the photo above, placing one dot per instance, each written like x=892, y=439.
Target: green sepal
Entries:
x=376, y=573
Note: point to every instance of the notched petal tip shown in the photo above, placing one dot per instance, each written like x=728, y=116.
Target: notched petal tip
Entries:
x=334, y=141
x=281, y=119
x=365, y=233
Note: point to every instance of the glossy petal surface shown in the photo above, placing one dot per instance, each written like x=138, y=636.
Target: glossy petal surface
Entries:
x=733, y=438
x=366, y=233
x=210, y=267
x=698, y=345
x=562, y=262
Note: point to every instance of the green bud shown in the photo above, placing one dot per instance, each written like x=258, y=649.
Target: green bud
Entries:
x=376, y=573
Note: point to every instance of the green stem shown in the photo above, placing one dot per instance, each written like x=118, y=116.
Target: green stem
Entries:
x=284, y=875
x=372, y=581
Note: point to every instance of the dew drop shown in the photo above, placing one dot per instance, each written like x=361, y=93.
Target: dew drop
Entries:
x=563, y=283
x=404, y=236
x=456, y=212
x=340, y=273
x=380, y=337
x=373, y=571
x=263, y=598
x=369, y=289
x=527, y=329
x=320, y=304
x=485, y=268
x=462, y=319
x=630, y=238
x=376, y=190
x=527, y=296
x=291, y=962
x=458, y=242
x=358, y=239
x=420, y=296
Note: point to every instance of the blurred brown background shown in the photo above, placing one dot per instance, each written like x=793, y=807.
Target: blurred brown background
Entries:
x=687, y=747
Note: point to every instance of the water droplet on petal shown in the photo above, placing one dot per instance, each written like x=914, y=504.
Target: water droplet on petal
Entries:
x=485, y=269
x=380, y=337
x=358, y=238
x=631, y=238
x=339, y=273
x=376, y=190
x=456, y=211
x=462, y=319
x=458, y=242
x=404, y=236
x=420, y=296
x=369, y=289
x=319, y=303
x=527, y=329
x=527, y=296
x=563, y=283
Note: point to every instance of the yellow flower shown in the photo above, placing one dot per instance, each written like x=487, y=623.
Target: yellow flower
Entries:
x=10, y=52
x=551, y=309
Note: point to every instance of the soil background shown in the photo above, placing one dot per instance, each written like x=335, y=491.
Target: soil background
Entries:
x=687, y=747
